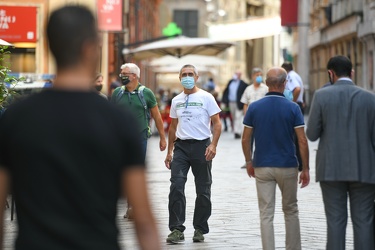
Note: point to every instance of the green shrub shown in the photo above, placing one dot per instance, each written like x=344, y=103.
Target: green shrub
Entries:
x=6, y=94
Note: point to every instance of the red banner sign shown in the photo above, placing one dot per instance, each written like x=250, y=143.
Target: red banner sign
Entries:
x=289, y=12
x=110, y=15
x=18, y=24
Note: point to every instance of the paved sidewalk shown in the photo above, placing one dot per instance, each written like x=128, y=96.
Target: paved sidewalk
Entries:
x=234, y=223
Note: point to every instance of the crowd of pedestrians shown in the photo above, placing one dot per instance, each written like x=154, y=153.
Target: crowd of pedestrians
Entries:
x=80, y=150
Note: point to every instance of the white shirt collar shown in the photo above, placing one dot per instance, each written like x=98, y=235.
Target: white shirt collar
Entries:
x=344, y=79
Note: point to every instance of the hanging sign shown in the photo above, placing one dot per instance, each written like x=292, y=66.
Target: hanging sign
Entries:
x=18, y=23
x=110, y=15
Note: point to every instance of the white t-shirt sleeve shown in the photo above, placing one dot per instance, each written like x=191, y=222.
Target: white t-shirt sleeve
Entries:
x=245, y=99
x=292, y=82
x=212, y=107
x=299, y=80
x=172, y=111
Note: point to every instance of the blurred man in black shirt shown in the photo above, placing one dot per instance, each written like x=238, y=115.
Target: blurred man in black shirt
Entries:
x=69, y=154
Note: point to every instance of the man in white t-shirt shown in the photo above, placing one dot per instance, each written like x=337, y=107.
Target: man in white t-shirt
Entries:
x=189, y=145
x=294, y=84
x=255, y=91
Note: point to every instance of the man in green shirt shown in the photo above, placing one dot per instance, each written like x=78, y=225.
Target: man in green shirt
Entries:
x=142, y=102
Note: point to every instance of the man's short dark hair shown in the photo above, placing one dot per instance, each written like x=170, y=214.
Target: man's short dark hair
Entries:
x=68, y=29
x=341, y=65
x=288, y=66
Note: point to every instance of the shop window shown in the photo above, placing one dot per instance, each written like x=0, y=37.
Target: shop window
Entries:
x=23, y=60
x=187, y=20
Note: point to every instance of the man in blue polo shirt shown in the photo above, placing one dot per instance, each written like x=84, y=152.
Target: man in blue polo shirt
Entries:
x=274, y=120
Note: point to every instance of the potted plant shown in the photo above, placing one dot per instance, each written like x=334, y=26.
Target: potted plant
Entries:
x=7, y=82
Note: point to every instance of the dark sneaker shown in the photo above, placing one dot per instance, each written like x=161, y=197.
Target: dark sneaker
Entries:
x=198, y=236
x=175, y=237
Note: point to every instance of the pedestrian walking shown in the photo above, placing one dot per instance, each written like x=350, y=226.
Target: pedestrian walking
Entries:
x=294, y=90
x=342, y=117
x=232, y=98
x=294, y=84
x=114, y=83
x=210, y=85
x=189, y=145
x=142, y=102
x=225, y=115
x=255, y=91
x=68, y=154
x=274, y=120
x=99, y=85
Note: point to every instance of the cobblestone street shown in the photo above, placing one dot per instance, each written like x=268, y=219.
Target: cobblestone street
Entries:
x=234, y=223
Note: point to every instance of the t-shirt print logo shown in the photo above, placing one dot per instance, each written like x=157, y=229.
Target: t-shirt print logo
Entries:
x=186, y=115
x=190, y=104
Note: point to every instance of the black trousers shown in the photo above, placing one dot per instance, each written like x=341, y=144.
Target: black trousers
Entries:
x=186, y=154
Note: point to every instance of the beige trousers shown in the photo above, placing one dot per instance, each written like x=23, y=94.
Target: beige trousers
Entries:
x=237, y=116
x=286, y=179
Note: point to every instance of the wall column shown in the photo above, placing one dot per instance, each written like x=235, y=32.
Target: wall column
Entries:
x=303, y=49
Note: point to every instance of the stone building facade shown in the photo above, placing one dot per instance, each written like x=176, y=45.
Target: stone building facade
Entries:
x=233, y=21
x=342, y=27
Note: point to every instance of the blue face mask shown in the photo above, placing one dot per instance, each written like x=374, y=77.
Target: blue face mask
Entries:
x=259, y=79
x=188, y=82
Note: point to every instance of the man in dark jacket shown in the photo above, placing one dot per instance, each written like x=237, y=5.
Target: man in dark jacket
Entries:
x=232, y=98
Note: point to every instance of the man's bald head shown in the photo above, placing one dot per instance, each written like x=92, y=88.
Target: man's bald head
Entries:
x=275, y=79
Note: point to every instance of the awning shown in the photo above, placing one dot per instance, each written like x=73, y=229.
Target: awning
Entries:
x=179, y=46
x=5, y=43
x=252, y=28
x=33, y=85
x=177, y=68
x=196, y=60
